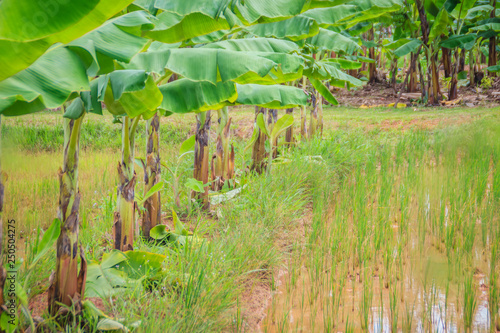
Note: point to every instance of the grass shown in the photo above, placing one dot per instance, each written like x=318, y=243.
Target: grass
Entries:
x=362, y=234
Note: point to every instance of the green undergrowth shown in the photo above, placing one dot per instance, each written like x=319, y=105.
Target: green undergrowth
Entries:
x=276, y=222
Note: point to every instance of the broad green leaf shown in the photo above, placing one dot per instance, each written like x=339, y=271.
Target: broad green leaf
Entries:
x=261, y=123
x=159, y=232
x=273, y=97
x=152, y=190
x=183, y=96
x=462, y=41
x=281, y=125
x=488, y=26
x=48, y=239
x=107, y=324
x=132, y=92
x=119, y=39
x=326, y=70
x=140, y=264
x=75, y=110
x=346, y=64
x=493, y=69
x=261, y=11
x=333, y=41
x=195, y=185
x=255, y=45
x=29, y=27
x=476, y=11
x=332, y=15
x=440, y=25
x=324, y=91
x=203, y=64
x=396, y=44
x=295, y=28
x=409, y=47
x=368, y=10
x=187, y=145
x=255, y=135
x=47, y=83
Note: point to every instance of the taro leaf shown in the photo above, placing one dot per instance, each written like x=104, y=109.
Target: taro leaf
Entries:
x=179, y=227
x=140, y=264
x=262, y=124
x=187, y=145
x=105, y=278
x=159, y=232
x=320, y=87
x=195, y=185
x=281, y=125
x=48, y=239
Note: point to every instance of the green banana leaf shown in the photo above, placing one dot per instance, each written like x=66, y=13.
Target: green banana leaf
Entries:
x=118, y=39
x=411, y=46
x=333, y=41
x=295, y=28
x=440, y=25
x=462, y=41
x=132, y=92
x=183, y=96
x=255, y=45
x=273, y=97
x=29, y=27
x=203, y=64
x=333, y=15
x=47, y=83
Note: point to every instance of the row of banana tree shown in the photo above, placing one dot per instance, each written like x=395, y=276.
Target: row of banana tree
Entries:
x=145, y=60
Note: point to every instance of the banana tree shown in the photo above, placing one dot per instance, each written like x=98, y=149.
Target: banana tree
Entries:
x=58, y=76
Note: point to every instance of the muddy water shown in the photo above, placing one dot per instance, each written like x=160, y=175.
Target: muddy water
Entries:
x=415, y=283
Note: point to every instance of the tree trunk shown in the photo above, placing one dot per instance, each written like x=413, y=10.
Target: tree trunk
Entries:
x=425, y=93
x=303, y=115
x=372, y=67
x=435, y=98
x=271, y=120
x=289, y=131
x=152, y=176
x=412, y=84
x=3, y=273
x=67, y=286
x=472, y=71
x=201, y=155
x=313, y=124
x=492, y=45
x=259, y=147
x=124, y=227
x=446, y=61
x=221, y=161
x=461, y=62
